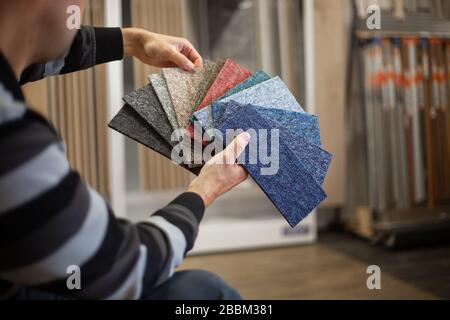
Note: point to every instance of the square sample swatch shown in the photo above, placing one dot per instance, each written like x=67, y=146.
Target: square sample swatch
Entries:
x=312, y=156
x=293, y=190
x=182, y=86
x=146, y=103
x=160, y=87
x=306, y=125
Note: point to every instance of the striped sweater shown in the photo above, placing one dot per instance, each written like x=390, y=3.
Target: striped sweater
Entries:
x=50, y=219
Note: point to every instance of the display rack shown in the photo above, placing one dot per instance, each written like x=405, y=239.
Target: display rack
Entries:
x=417, y=221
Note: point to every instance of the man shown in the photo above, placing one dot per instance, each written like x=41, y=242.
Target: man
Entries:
x=49, y=219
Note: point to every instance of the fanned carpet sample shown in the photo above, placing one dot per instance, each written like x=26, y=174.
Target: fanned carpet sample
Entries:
x=146, y=103
x=159, y=84
x=128, y=122
x=293, y=190
x=224, y=95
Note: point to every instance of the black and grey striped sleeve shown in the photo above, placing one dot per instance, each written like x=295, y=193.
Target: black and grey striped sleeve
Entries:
x=50, y=220
x=91, y=46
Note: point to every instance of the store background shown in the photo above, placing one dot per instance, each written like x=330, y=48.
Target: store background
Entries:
x=309, y=44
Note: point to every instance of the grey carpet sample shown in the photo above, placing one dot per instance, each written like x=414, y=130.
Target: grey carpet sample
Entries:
x=128, y=122
x=183, y=88
x=146, y=103
x=160, y=87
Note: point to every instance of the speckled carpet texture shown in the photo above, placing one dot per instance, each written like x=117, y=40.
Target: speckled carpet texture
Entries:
x=160, y=86
x=289, y=163
x=293, y=190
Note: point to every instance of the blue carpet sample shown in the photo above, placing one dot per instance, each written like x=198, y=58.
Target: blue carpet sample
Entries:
x=305, y=124
x=293, y=190
x=313, y=157
x=273, y=93
x=218, y=110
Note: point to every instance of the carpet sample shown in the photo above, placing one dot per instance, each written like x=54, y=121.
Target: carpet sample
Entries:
x=273, y=93
x=306, y=125
x=160, y=87
x=129, y=123
x=146, y=103
x=312, y=156
x=183, y=86
x=293, y=191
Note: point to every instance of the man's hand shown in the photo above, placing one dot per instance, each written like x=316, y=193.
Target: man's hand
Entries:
x=160, y=50
x=221, y=173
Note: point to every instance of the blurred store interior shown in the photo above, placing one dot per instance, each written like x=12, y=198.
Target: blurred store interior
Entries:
x=382, y=97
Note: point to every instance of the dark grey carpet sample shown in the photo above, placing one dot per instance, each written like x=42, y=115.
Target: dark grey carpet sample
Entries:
x=131, y=124
x=146, y=103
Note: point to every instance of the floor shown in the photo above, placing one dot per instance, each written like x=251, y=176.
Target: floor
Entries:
x=333, y=268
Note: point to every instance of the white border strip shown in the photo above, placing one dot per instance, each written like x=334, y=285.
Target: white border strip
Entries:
x=114, y=93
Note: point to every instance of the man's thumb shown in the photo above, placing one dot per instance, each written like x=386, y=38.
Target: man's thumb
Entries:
x=235, y=148
x=180, y=60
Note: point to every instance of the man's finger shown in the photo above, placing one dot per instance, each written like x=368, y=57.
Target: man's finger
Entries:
x=180, y=60
x=235, y=148
x=192, y=54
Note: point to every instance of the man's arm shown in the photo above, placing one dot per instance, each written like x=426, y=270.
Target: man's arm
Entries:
x=51, y=220
x=91, y=46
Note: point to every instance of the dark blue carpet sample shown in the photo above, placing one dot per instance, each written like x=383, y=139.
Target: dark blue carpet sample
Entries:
x=304, y=143
x=218, y=110
x=293, y=190
x=305, y=124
